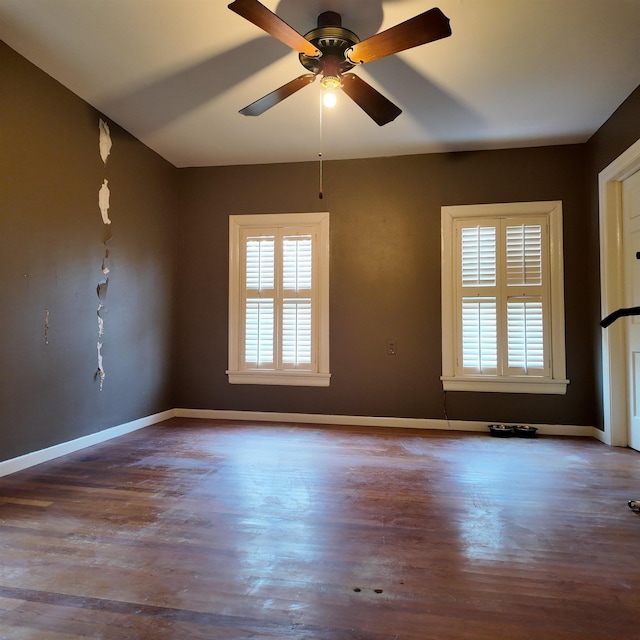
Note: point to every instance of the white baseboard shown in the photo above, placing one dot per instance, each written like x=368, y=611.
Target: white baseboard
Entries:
x=369, y=421
x=44, y=455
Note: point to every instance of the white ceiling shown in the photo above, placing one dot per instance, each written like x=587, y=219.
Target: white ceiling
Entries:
x=175, y=73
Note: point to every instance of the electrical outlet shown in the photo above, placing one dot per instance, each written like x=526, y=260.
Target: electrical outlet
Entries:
x=391, y=348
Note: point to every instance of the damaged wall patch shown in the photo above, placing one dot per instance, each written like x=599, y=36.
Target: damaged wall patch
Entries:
x=103, y=201
x=105, y=261
x=100, y=373
x=105, y=140
x=103, y=284
x=101, y=289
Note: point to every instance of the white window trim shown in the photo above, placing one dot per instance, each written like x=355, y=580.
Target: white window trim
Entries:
x=451, y=381
x=236, y=375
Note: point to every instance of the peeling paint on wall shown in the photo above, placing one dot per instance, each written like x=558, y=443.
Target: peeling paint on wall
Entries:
x=101, y=289
x=105, y=140
x=100, y=374
x=103, y=285
x=105, y=260
x=103, y=201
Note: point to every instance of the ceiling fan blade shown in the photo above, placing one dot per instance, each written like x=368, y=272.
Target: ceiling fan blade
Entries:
x=371, y=101
x=426, y=27
x=256, y=12
x=272, y=99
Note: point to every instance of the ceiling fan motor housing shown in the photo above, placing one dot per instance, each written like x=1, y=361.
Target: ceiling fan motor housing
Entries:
x=333, y=40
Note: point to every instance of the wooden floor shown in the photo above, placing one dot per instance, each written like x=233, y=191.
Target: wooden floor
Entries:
x=201, y=530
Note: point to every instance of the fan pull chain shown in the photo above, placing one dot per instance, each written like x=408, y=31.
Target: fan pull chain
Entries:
x=320, y=192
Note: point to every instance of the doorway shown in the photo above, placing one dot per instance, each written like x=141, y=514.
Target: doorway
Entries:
x=616, y=374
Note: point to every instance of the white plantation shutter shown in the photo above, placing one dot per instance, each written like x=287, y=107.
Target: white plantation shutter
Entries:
x=297, y=252
x=478, y=298
x=527, y=298
x=478, y=252
x=279, y=299
x=525, y=330
x=502, y=297
x=297, y=305
x=479, y=335
x=259, y=326
x=296, y=332
x=260, y=263
x=524, y=254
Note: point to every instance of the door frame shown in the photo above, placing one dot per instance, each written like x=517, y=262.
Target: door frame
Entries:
x=612, y=294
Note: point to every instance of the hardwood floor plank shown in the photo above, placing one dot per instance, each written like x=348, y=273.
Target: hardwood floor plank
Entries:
x=206, y=529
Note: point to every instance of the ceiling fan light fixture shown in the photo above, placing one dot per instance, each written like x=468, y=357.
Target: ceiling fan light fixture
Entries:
x=329, y=84
x=329, y=99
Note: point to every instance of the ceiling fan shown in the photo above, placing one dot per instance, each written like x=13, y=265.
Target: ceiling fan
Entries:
x=330, y=51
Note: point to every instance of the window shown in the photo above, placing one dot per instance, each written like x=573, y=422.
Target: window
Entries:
x=279, y=299
x=502, y=298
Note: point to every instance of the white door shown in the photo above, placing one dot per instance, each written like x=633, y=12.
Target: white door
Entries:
x=631, y=245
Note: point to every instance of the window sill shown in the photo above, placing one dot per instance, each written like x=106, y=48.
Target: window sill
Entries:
x=280, y=378
x=506, y=385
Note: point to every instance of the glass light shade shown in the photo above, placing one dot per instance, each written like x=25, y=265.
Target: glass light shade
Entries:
x=329, y=99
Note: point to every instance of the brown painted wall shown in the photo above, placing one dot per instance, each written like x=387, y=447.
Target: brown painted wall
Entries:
x=51, y=250
x=616, y=135
x=385, y=273
x=385, y=280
